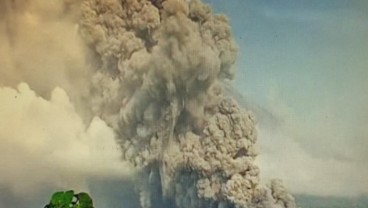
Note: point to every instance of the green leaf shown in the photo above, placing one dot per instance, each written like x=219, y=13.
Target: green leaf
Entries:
x=61, y=199
x=85, y=201
x=70, y=200
x=68, y=197
x=56, y=198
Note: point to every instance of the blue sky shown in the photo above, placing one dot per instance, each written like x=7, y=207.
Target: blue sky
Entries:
x=306, y=62
x=288, y=44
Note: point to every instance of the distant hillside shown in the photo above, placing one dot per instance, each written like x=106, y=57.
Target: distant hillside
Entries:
x=308, y=201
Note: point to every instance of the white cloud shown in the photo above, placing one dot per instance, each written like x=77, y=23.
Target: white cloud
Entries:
x=44, y=143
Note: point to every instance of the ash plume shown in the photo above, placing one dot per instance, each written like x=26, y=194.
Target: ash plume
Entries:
x=154, y=71
x=158, y=76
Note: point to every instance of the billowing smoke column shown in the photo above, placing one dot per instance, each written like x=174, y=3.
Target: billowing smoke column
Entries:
x=158, y=73
x=157, y=69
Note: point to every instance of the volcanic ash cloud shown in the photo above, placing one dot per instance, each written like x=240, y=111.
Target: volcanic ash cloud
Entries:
x=153, y=70
x=158, y=73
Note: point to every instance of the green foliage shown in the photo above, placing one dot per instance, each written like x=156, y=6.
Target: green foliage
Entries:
x=70, y=200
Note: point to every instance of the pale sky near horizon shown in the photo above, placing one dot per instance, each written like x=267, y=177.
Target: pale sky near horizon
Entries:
x=306, y=61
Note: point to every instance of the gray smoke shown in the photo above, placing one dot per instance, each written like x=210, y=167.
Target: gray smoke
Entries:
x=157, y=81
x=154, y=70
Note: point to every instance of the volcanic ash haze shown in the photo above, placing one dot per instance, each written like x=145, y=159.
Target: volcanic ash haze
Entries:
x=155, y=71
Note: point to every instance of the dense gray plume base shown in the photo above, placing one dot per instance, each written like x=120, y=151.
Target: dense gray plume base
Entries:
x=213, y=169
